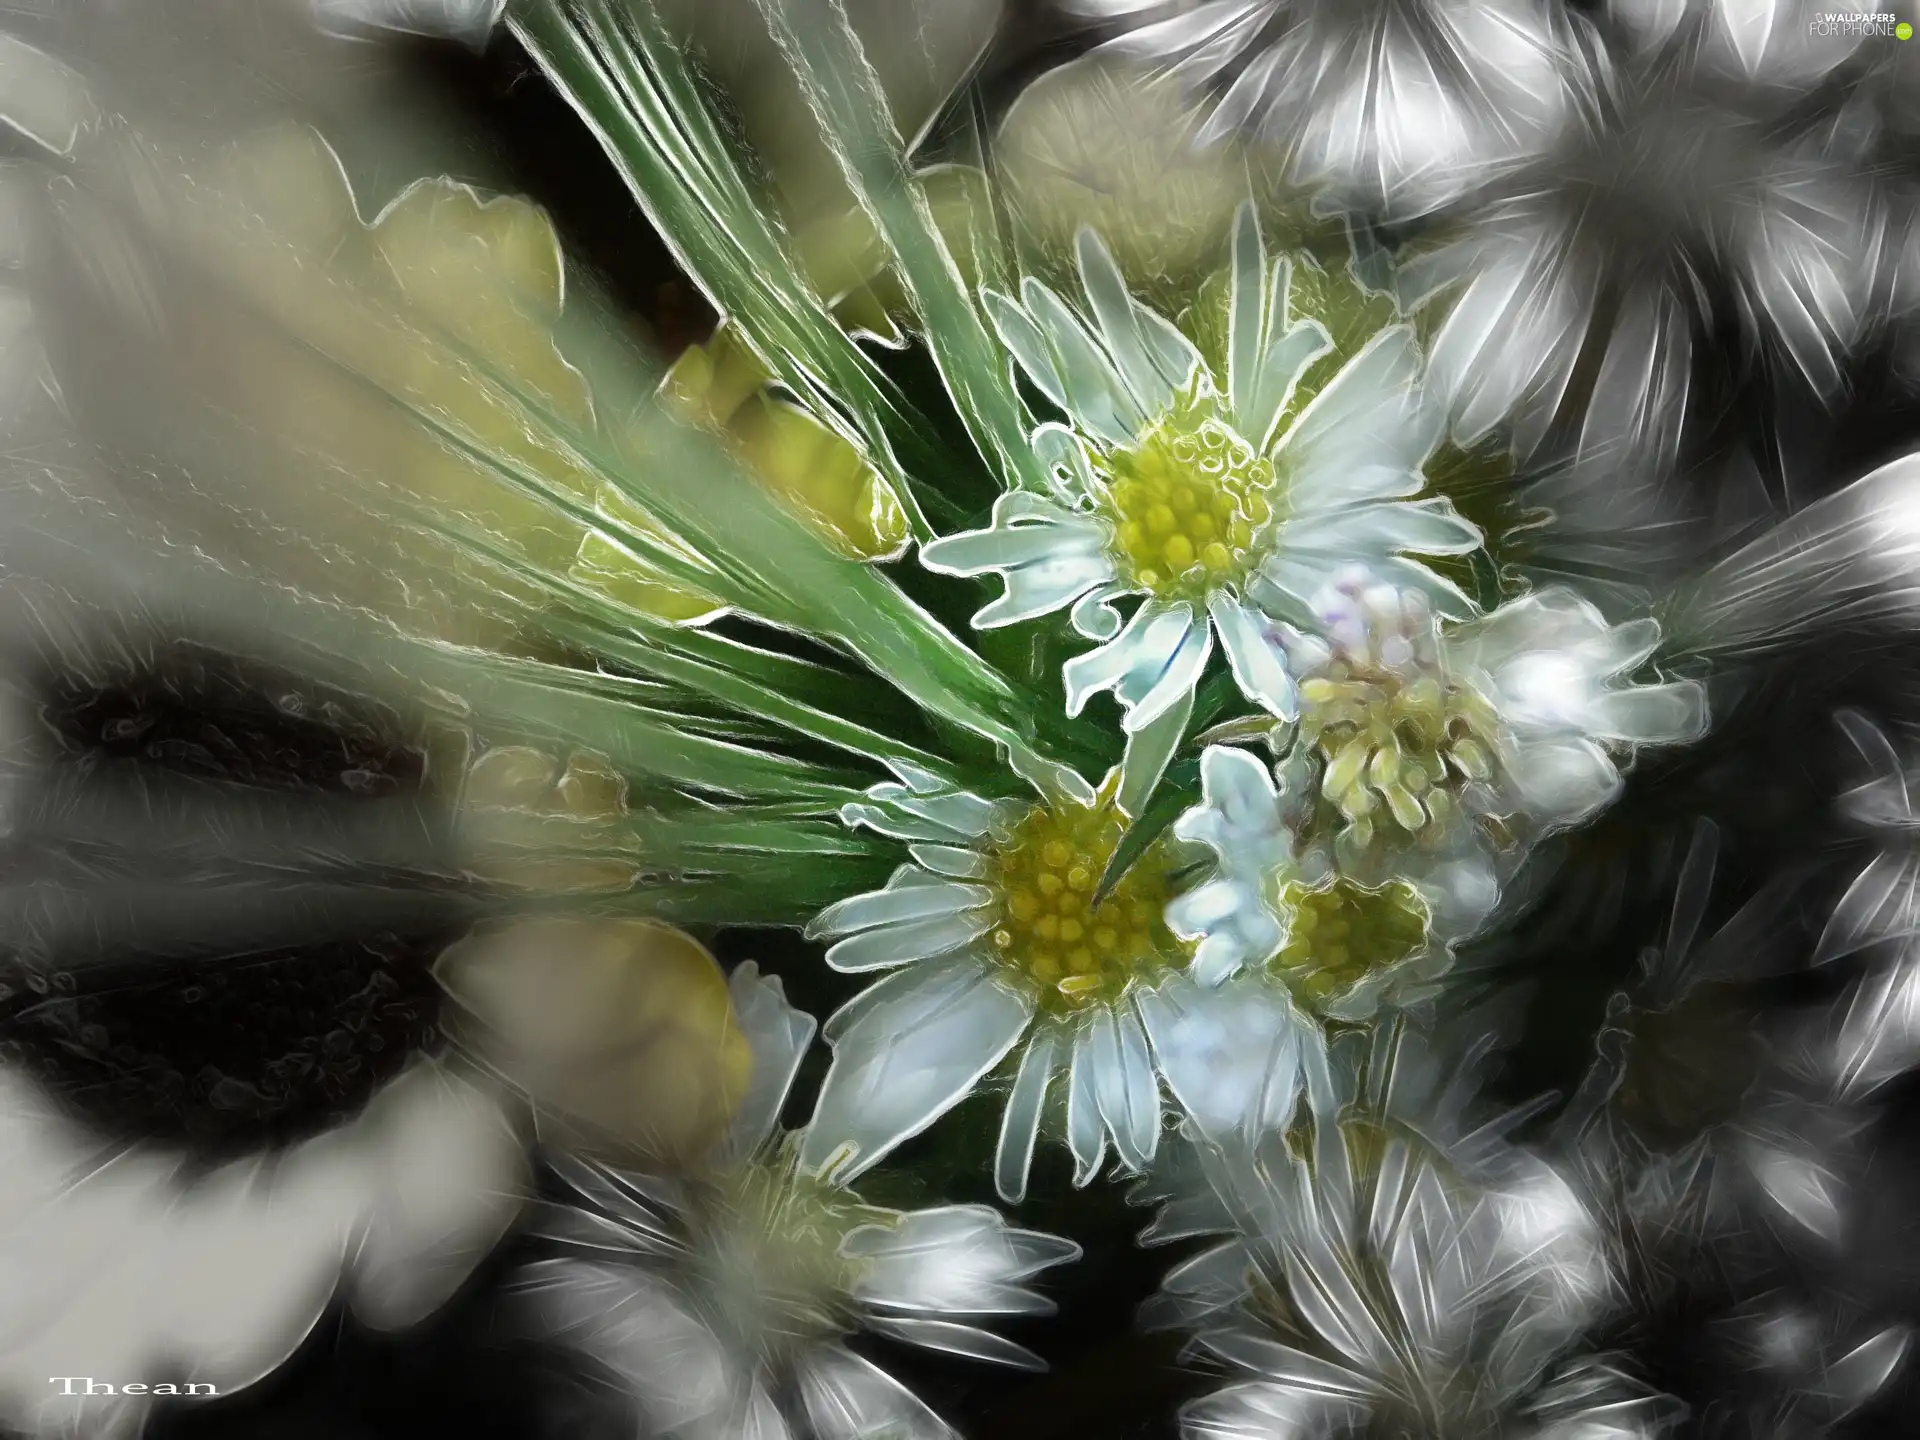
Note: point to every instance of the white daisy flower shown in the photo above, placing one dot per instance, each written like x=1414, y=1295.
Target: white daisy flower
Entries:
x=1398, y=105
x=1368, y=1286
x=1177, y=485
x=722, y=1300
x=1423, y=762
x=997, y=944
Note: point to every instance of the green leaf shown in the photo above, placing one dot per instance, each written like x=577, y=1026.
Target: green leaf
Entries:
x=1177, y=792
x=623, y=74
x=840, y=84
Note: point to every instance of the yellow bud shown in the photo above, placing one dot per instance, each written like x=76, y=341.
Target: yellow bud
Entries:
x=620, y=1031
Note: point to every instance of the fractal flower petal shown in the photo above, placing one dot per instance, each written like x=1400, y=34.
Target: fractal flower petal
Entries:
x=1182, y=486
x=722, y=1300
x=1788, y=45
x=1369, y=1285
x=1000, y=955
x=1394, y=105
x=1661, y=184
x=471, y=21
x=1877, y=917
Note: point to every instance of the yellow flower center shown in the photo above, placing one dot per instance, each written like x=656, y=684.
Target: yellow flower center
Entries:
x=1340, y=932
x=1051, y=933
x=1187, y=501
x=768, y=1252
x=1396, y=747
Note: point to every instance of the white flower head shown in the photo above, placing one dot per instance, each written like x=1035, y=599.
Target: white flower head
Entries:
x=1174, y=484
x=1423, y=761
x=1366, y=1283
x=1663, y=181
x=722, y=1300
x=1395, y=105
x=999, y=939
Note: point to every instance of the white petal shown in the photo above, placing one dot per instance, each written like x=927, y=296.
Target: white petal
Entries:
x=1149, y=751
x=1026, y=528
x=953, y=861
x=1094, y=616
x=954, y=1260
x=1149, y=666
x=911, y=1054
x=951, y=1338
x=1086, y=1135
x=1563, y=780
x=469, y=21
x=636, y=1325
x=1366, y=435
x=1231, y=1056
x=1028, y=346
x=1509, y=344
x=1044, y=587
x=1020, y=1125
x=911, y=894
x=1097, y=398
x=777, y=1036
x=1153, y=367
x=1426, y=527
x=850, y=1398
x=1255, y=655
x=1125, y=1091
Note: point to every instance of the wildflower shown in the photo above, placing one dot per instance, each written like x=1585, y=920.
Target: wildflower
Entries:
x=722, y=1299
x=1423, y=760
x=997, y=941
x=1171, y=483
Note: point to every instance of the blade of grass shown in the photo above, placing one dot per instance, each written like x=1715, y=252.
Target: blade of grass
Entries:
x=845, y=94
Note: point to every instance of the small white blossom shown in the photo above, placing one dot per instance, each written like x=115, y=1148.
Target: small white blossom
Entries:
x=1424, y=759
x=1172, y=485
x=721, y=1300
x=998, y=942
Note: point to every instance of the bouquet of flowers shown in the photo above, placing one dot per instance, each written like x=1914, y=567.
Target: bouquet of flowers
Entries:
x=1278, y=638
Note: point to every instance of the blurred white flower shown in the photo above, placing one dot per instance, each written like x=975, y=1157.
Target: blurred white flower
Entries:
x=1392, y=105
x=1179, y=485
x=721, y=1300
x=1367, y=1287
x=1606, y=247
x=124, y=1266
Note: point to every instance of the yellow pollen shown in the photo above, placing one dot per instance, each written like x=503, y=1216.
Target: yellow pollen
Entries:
x=1394, y=749
x=1074, y=951
x=1187, y=500
x=1340, y=931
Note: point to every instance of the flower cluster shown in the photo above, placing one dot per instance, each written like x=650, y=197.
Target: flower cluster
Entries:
x=1185, y=690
